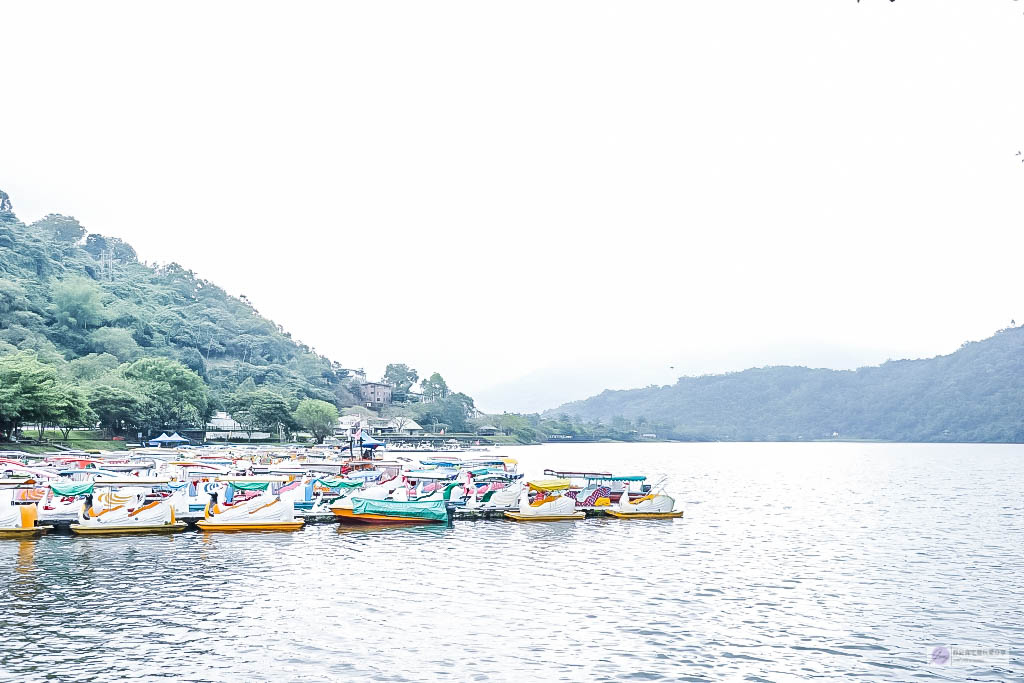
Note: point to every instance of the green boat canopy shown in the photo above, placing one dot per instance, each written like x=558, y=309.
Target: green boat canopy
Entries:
x=430, y=511
x=339, y=483
x=72, y=488
x=250, y=485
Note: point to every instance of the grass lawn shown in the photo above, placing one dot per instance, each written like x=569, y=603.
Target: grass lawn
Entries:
x=85, y=440
x=24, y=448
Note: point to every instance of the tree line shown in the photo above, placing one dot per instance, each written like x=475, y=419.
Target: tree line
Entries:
x=147, y=395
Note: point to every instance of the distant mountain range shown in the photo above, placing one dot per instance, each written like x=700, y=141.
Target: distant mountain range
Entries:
x=975, y=394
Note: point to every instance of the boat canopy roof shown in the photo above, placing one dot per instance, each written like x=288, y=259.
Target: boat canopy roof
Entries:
x=600, y=476
x=90, y=472
x=576, y=475
x=71, y=488
x=130, y=481
x=496, y=476
x=186, y=463
x=255, y=480
x=549, y=484
x=363, y=474
x=18, y=483
x=434, y=510
x=333, y=483
x=431, y=474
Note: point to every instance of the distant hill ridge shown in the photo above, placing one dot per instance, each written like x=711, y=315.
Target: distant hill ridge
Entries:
x=975, y=394
x=85, y=303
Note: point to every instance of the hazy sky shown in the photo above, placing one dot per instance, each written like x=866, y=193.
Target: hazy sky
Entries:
x=604, y=188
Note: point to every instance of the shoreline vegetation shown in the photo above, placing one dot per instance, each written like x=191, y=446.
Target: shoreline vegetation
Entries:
x=90, y=337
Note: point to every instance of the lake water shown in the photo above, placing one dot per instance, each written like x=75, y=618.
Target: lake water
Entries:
x=793, y=561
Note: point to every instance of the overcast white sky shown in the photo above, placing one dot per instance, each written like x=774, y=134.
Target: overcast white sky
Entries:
x=542, y=199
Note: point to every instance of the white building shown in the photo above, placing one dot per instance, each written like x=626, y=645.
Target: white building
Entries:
x=222, y=426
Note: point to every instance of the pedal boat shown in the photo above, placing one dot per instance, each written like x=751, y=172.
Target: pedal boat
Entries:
x=18, y=521
x=264, y=512
x=118, y=506
x=396, y=508
x=651, y=506
x=550, y=505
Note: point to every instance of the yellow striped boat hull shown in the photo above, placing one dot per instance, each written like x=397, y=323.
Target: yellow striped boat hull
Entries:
x=127, y=529
x=372, y=518
x=645, y=515
x=22, y=532
x=265, y=526
x=545, y=518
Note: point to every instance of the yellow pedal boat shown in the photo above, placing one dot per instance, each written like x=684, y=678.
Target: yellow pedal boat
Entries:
x=88, y=529
x=645, y=515
x=23, y=532
x=266, y=512
x=242, y=526
x=545, y=518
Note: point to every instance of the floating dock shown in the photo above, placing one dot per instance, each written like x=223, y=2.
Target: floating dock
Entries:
x=62, y=523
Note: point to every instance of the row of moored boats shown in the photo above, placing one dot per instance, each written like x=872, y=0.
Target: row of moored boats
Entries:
x=225, y=489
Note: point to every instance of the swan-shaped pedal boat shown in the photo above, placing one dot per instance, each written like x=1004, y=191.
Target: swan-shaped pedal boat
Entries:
x=18, y=520
x=266, y=511
x=390, y=504
x=119, y=507
x=549, y=505
x=651, y=506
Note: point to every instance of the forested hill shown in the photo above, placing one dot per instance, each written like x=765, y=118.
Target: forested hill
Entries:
x=974, y=394
x=84, y=303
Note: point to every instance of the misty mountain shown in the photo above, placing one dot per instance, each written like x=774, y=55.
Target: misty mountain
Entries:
x=973, y=394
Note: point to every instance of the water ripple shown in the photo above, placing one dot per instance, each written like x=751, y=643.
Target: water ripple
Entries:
x=794, y=561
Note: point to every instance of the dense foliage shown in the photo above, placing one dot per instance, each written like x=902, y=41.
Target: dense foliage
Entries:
x=974, y=394
x=317, y=417
x=123, y=331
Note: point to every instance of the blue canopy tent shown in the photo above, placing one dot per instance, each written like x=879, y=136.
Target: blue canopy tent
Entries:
x=365, y=442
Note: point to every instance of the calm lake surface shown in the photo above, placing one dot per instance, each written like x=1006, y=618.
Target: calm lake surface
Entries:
x=793, y=561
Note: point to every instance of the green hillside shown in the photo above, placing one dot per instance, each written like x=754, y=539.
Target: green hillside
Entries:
x=974, y=394
x=86, y=305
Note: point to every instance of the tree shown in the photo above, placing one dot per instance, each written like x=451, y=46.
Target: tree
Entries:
x=117, y=405
x=316, y=417
x=452, y=411
x=63, y=228
x=401, y=422
x=120, y=250
x=116, y=341
x=272, y=410
x=78, y=303
x=434, y=387
x=246, y=420
x=260, y=410
x=71, y=409
x=28, y=391
x=92, y=367
x=401, y=378
x=173, y=395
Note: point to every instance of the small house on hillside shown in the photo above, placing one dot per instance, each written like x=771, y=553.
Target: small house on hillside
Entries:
x=487, y=430
x=375, y=394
